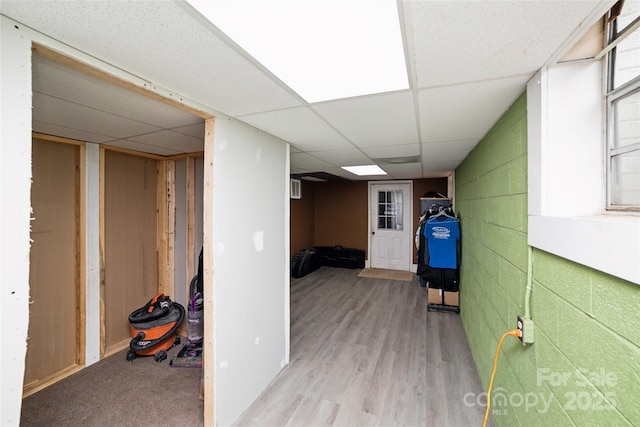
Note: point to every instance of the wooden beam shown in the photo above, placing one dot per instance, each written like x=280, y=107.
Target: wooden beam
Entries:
x=190, y=223
x=166, y=226
x=103, y=329
x=52, y=138
x=208, y=355
x=133, y=152
x=186, y=155
x=171, y=226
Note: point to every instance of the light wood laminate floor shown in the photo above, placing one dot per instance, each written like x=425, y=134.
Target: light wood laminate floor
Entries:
x=365, y=352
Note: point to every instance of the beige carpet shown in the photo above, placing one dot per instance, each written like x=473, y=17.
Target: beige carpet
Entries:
x=378, y=273
x=115, y=392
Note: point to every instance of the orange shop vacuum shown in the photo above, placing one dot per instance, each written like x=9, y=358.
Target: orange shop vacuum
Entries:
x=154, y=327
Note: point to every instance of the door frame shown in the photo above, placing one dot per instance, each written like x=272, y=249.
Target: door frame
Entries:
x=408, y=206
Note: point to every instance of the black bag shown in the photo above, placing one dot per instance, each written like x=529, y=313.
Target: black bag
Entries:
x=337, y=256
x=304, y=262
x=447, y=279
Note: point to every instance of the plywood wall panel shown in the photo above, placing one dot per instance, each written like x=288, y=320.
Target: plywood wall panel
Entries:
x=130, y=240
x=54, y=262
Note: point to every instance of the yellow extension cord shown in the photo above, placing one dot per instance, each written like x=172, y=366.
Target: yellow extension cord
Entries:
x=515, y=333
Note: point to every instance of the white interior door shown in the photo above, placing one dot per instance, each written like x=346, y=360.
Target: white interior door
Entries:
x=390, y=226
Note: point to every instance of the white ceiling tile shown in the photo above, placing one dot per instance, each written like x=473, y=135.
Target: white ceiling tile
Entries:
x=308, y=163
x=343, y=157
x=440, y=167
x=171, y=140
x=196, y=131
x=300, y=126
x=447, y=151
x=388, y=151
x=78, y=135
x=466, y=111
x=403, y=171
x=373, y=120
x=295, y=170
x=62, y=82
x=462, y=41
x=52, y=110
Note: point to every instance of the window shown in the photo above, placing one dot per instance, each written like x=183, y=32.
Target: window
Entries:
x=623, y=107
x=568, y=157
x=390, y=210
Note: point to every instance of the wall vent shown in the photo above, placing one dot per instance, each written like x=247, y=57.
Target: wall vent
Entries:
x=296, y=189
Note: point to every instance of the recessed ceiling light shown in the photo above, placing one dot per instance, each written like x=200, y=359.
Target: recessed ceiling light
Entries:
x=322, y=49
x=365, y=170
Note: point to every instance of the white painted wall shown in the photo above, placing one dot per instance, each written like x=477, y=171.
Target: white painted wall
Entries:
x=92, y=242
x=251, y=280
x=15, y=214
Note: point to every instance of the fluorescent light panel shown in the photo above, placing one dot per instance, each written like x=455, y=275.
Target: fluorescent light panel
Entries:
x=365, y=170
x=322, y=49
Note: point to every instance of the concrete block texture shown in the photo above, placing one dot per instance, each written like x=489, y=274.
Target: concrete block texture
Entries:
x=584, y=366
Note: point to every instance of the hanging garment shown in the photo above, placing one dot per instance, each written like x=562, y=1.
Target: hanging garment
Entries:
x=442, y=235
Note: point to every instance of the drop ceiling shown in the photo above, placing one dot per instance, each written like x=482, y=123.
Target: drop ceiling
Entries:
x=467, y=62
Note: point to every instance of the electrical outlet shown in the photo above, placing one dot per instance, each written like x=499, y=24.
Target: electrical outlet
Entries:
x=526, y=330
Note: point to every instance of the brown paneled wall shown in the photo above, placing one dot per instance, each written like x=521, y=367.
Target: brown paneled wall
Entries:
x=335, y=213
x=341, y=214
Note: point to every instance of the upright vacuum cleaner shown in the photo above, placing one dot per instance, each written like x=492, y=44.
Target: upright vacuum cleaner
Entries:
x=154, y=327
x=191, y=353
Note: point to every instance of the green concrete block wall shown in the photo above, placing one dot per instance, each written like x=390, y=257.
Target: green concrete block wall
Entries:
x=584, y=366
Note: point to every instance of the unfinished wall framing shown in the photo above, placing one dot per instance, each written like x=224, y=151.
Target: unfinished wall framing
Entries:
x=137, y=238
x=19, y=43
x=187, y=223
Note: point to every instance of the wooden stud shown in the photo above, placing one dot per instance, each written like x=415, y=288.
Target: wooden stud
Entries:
x=133, y=152
x=103, y=335
x=171, y=225
x=45, y=137
x=190, y=223
x=208, y=355
x=163, y=286
x=166, y=226
x=186, y=155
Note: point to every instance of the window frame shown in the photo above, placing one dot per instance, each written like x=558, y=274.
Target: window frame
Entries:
x=612, y=96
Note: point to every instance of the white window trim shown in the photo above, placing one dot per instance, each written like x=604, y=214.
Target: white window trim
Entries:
x=567, y=195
